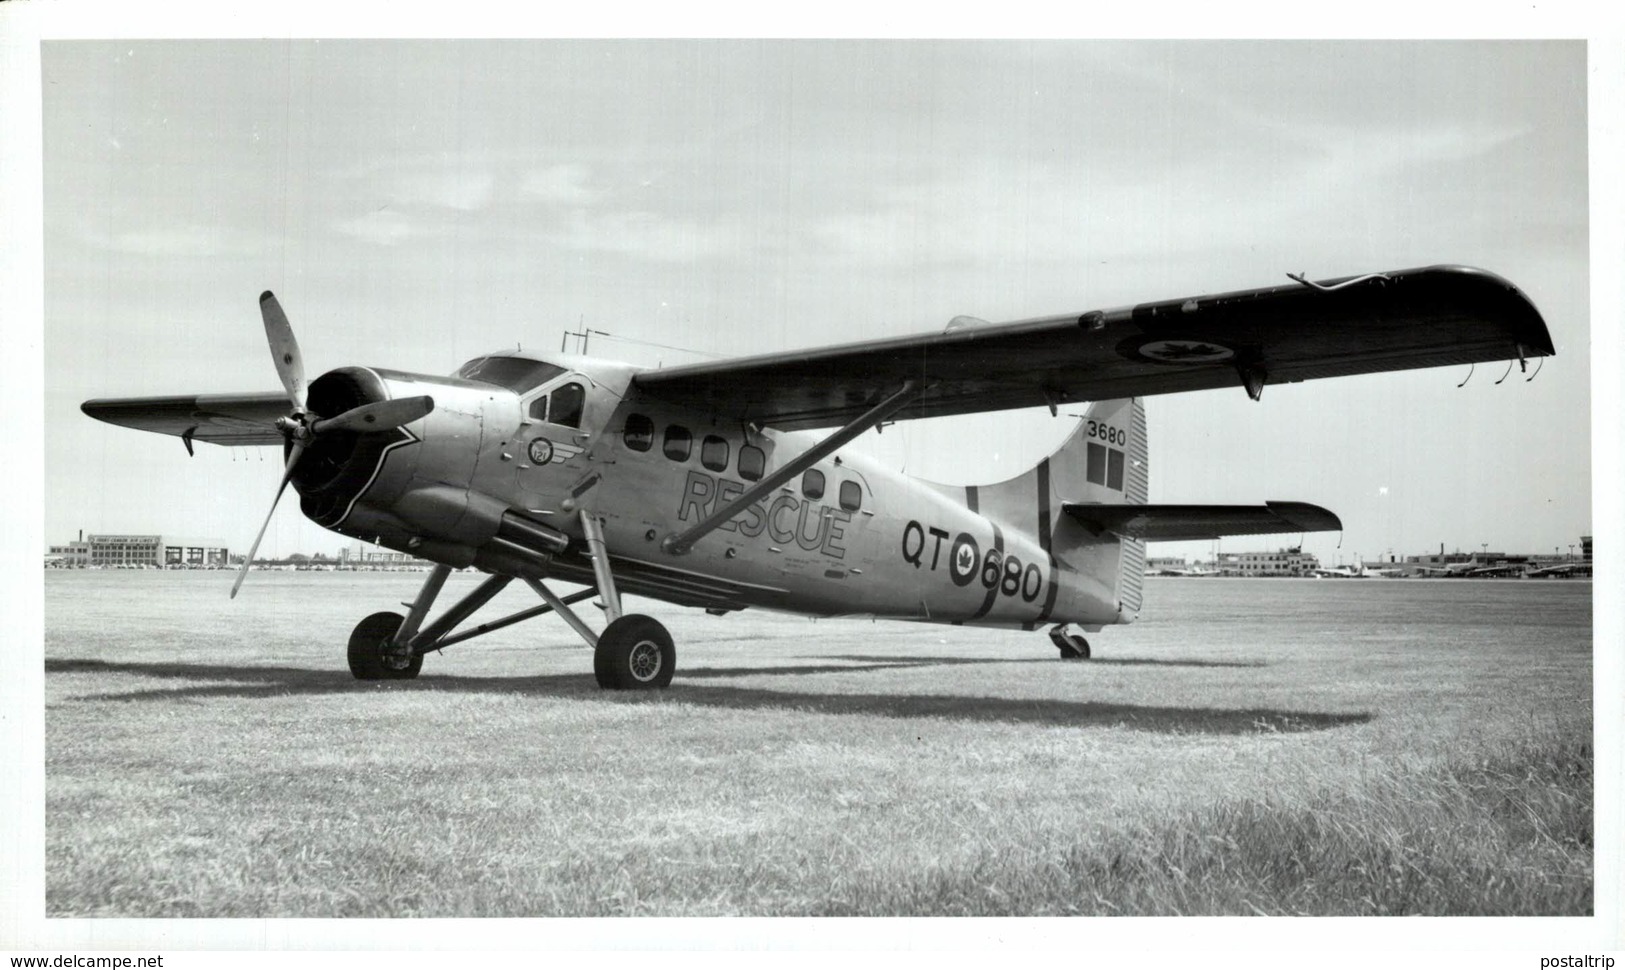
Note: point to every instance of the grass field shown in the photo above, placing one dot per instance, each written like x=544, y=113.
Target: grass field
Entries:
x=1251, y=746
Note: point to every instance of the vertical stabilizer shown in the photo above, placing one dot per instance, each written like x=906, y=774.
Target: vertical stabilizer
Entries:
x=1105, y=460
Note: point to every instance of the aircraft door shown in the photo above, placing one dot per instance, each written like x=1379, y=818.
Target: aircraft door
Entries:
x=849, y=509
x=552, y=440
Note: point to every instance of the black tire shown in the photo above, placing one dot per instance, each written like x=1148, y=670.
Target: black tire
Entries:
x=634, y=653
x=1075, y=648
x=368, y=660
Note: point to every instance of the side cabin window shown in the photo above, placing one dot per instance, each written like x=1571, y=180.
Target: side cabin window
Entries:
x=564, y=405
x=752, y=462
x=678, y=442
x=851, y=496
x=812, y=484
x=538, y=409
x=714, y=453
x=639, y=433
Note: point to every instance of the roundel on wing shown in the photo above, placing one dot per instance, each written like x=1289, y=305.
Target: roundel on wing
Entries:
x=963, y=559
x=1185, y=352
x=541, y=451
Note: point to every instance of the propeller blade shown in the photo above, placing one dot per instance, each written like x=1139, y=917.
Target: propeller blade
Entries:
x=378, y=416
x=290, y=366
x=287, y=473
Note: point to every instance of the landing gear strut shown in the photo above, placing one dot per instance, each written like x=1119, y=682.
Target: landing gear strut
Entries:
x=633, y=653
x=1072, y=645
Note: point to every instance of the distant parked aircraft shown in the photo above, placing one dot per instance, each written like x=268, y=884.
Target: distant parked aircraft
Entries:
x=1562, y=570
x=1357, y=571
x=1192, y=571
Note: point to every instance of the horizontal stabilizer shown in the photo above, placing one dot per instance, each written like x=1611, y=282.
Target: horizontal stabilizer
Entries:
x=1168, y=523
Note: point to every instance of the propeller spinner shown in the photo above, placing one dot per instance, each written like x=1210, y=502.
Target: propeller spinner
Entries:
x=300, y=427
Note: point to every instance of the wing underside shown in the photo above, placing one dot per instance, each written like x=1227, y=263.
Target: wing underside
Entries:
x=1169, y=523
x=1426, y=317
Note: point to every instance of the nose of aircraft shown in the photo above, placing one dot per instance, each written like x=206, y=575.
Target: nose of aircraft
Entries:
x=322, y=426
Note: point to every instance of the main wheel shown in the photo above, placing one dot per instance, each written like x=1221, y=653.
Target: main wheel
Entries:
x=370, y=658
x=634, y=653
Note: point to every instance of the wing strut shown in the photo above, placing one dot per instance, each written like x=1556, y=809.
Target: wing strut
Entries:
x=911, y=389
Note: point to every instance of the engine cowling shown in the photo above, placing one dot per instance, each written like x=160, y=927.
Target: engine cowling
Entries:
x=415, y=488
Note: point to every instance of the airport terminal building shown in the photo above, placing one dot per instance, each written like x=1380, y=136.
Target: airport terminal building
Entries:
x=1281, y=562
x=138, y=551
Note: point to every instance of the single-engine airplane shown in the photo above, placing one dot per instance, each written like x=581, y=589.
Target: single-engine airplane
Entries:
x=707, y=485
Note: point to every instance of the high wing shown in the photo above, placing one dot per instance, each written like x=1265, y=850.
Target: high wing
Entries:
x=1424, y=317
x=1169, y=523
x=222, y=419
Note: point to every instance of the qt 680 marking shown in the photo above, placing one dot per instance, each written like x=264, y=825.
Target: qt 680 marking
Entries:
x=1006, y=573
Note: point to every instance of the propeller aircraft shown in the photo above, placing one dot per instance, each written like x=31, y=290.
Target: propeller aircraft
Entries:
x=1565, y=570
x=728, y=484
x=1357, y=571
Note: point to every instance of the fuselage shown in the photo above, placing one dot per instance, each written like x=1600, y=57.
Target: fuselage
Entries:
x=518, y=447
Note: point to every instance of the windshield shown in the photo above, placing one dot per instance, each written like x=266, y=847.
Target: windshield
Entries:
x=515, y=373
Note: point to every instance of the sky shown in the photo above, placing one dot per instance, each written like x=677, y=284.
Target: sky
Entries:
x=417, y=203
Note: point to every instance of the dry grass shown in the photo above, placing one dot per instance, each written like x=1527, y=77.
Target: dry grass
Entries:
x=1283, y=747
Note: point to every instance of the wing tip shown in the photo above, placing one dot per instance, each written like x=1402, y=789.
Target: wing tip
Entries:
x=1306, y=517
x=1518, y=312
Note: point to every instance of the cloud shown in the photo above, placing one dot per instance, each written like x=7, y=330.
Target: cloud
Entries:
x=459, y=183
x=463, y=191
x=193, y=240
x=1350, y=152
x=383, y=227
x=564, y=184
x=647, y=235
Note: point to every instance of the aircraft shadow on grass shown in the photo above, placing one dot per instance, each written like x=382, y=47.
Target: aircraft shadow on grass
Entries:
x=1095, y=662
x=217, y=681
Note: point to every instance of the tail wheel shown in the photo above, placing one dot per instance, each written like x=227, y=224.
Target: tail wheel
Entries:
x=634, y=653
x=1075, y=648
x=1071, y=645
x=369, y=653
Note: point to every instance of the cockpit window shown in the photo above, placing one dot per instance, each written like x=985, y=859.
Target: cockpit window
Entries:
x=565, y=405
x=514, y=373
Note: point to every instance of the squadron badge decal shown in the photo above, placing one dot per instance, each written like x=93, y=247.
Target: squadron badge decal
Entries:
x=542, y=451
